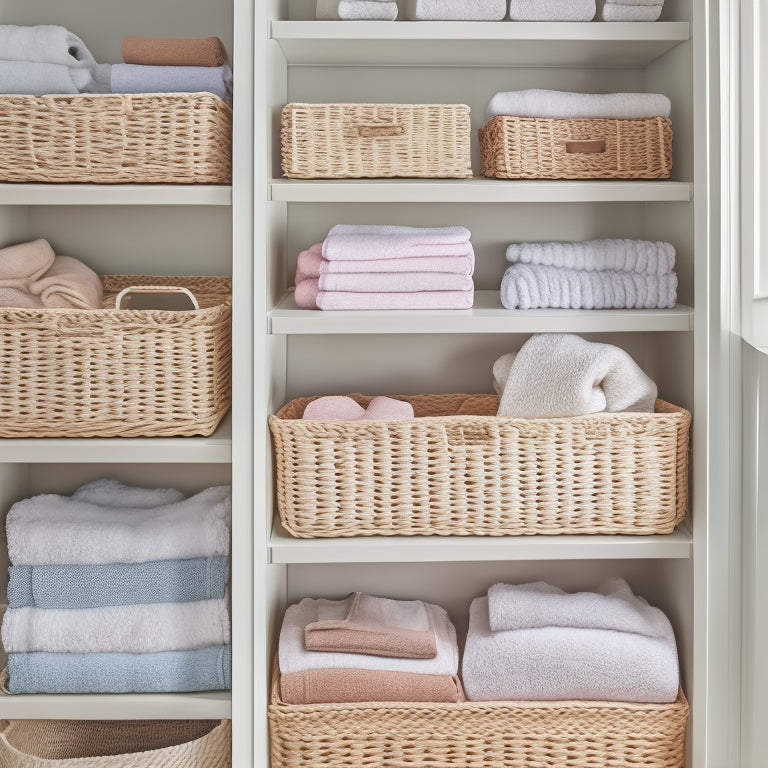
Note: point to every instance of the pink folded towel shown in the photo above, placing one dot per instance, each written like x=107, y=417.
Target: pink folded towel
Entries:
x=343, y=408
x=338, y=300
x=368, y=243
x=20, y=266
x=306, y=293
x=69, y=284
x=308, y=263
x=395, y=282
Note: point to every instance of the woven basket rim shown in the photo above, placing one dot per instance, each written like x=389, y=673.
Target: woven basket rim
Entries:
x=337, y=104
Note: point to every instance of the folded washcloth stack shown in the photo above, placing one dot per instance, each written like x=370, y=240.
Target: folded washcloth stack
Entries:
x=367, y=648
x=118, y=590
x=387, y=267
x=375, y=10
x=595, y=274
x=455, y=10
x=536, y=642
x=629, y=10
x=552, y=10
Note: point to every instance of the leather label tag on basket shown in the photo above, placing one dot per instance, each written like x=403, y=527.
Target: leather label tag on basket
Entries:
x=585, y=147
x=380, y=130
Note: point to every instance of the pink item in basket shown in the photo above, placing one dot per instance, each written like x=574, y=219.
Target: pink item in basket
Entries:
x=388, y=409
x=334, y=408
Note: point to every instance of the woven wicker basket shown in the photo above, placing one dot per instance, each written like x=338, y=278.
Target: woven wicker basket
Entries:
x=174, y=138
x=487, y=734
x=116, y=744
x=538, y=148
x=118, y=373
x=461, y=470
x=342, y=141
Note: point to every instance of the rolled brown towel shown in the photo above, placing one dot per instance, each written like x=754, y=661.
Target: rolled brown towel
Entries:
x=174, y=51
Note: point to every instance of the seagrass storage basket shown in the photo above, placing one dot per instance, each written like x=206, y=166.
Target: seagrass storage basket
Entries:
x=115, y=744
x=172, y=138
x=344, y=141
x=542, y=148
x=457, y=469
x=480, y=734
x=118, y=373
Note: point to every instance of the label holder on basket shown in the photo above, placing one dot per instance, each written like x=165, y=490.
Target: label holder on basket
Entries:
x=585, y=147
x=171, y=298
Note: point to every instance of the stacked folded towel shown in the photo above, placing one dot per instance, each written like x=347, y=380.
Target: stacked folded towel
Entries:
x=118, y=590
x=552, y=10
x=376, y=10
x=367, y=648
x=387, y=267
x=595, y=274
x=536, y=642
x=630, y=10
x=455, y=10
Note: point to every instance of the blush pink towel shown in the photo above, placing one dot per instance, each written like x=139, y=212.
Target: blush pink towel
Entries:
x=338, y=300
x=369, y=242
x=395, y=282
x=69, y=284
x=306, y=293
x=308, y=263
x=20, y=266
x=343, y=408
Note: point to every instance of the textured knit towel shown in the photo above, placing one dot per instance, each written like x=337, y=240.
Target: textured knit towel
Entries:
x=375, y=10
x=615, y=11
x=20, y=266
x=69, y=284
x=139, y=78
x=174, y=51
x=552, y=10
x=455, y=10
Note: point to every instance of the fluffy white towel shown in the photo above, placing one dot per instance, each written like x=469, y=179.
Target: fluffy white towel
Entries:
x=36, y=78
x=375, y=10
x=56, y=530
x=113, y=493
x=536, y=102
x=530, y=286
x=561, y=663
x=645, y=257
x=117, y=629
x=561, y=374
x=501, y=370
x=293, y=656
x=47, y=43
x=552, y=10
x=455, y=10
x=395, y=282
x=620, y=12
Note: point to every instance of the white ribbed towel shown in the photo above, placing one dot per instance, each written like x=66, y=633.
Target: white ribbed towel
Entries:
x=117, y=629
x=293, y=656
x=455, y=10
x=552, y=10
x=561, y=374
x=531, y=286
x=536, y=102
x=375, y=10
x=57, y=530
x=113, y=493
x=621, y=12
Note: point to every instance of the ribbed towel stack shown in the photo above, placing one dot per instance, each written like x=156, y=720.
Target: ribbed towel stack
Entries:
x=595, y=274
x=374, y=10
x=367, y=648
x=535, y=642
x=630, y=10
x=118, y=590
x=369, y=267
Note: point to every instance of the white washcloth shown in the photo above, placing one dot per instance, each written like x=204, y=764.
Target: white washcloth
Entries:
x=58, y=530
x=552, y=10
x=561, y=374
x=293, y=656
x=535, y=102
x=37, y=78
x=117, y=629
x=113, y=493
x=645, y=257
x=530, y=286
x=621, y=12
x=562, y=663
x=455, y=10
x=375, y=10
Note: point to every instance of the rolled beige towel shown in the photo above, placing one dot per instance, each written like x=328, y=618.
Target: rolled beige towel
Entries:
x=174, y=51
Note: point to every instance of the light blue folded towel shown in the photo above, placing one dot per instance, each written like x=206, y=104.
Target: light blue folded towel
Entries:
x=143, y=78
x=36, y=78
x=99, y=586
x=207, y=669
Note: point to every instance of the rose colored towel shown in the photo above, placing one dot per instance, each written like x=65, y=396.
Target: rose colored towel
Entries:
x=337, y=300
x=174, y=51
x=343, y=408
x=395, y=282
x=20, y=266
x=69, y=284
x=339, y=686
x=369, y=624
x=350, y=242
x=306, y=293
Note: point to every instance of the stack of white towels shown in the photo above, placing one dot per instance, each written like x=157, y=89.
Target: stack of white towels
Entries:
x=594, y=274
x=373, y=10
x=536, y=642
x=118, y=589
x=630, y=10
x=383, y=267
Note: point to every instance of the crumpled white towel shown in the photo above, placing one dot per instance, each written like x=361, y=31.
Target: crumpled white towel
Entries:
x=552, y=10
x=536, y=102
x=645, y=257
x=117, y=629
x=562, y=663
x=375, y=10
x=531, y=286
x=616, y=11
x=113, y=493
x=346, y=242
x=561, y=374
x=455, y=10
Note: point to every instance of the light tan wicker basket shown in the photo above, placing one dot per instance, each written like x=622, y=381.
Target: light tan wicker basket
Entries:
x=341, y=141
x=173, y=138
x=458, y=470
x=539, y=148
x=118, y=373
x=116, y=744
x=478, y=734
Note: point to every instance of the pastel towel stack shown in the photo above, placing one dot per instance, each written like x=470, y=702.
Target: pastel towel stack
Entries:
x=536, y=642
x=455, y=10
x=85, y=612
x=369, y=267
x=552, y=10
x=374, y=10
x=630, y=10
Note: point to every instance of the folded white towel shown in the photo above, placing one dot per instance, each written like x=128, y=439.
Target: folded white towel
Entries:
x=631, y=2
x=561, y=374
x=375, y=10
x=535, y=102
x=37, y=78
x=530, y=286
x=645, y=257
x=118, y=628
x=113, y=493
x=620, y=12
x=552, y=10
x=293, y=656
x=55, y=530
x=47, y=43
x=561, y=663
x=455, y=10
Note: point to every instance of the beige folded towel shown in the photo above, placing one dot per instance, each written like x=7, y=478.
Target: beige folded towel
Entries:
x=174, y=51
x=20, y=266
x=69, y=284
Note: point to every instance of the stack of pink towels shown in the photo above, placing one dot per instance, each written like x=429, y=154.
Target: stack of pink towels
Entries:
x=360, y=267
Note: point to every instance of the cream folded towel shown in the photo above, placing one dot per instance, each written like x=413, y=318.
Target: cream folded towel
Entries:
x=69, y=284
x=455, y=10
x=619, y=12
x=552, y=10
x=20, y=266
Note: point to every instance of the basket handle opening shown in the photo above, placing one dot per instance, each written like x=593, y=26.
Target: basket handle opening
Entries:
x=585, y=147
x=380, y=129
x=163, y=297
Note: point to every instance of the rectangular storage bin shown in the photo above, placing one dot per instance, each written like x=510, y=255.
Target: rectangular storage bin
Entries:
x=118, y=373
x=172, y=138
x=459, y=470
x=342, y=141
x=539, y=148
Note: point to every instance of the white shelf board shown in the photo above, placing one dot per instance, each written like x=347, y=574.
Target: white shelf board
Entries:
x=487, y=316
x=475, y=190
x=215, y=449
x=463, y=44
x=409, y=549
x=115, y=194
